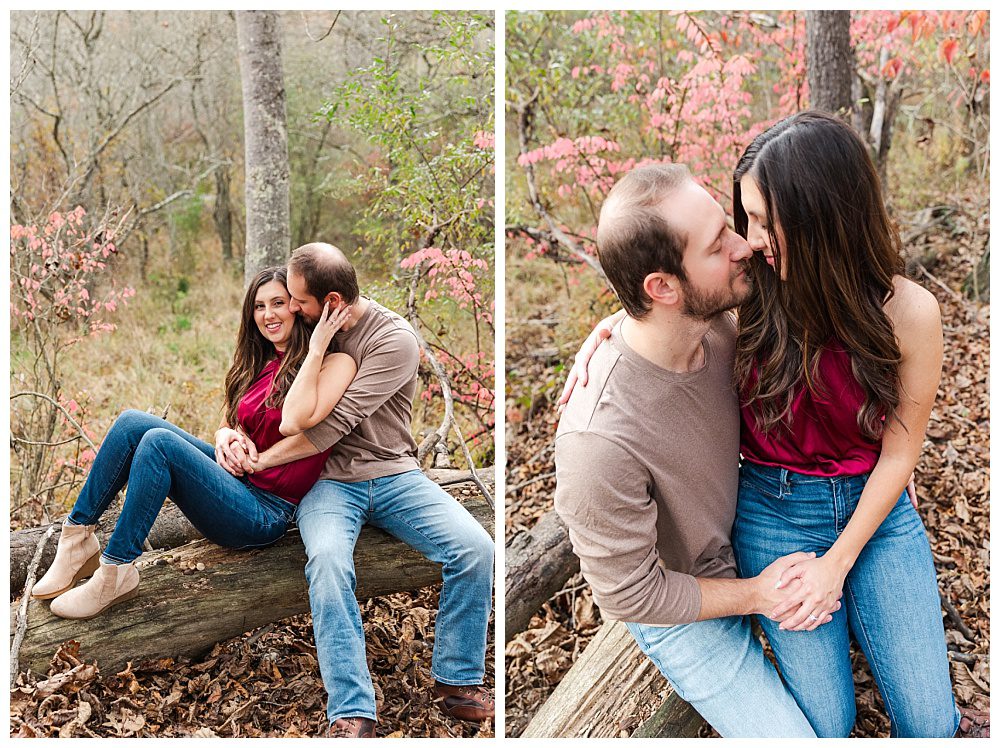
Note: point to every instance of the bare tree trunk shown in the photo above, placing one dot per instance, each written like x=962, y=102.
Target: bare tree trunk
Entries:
x=266, y=140
x=829, y=59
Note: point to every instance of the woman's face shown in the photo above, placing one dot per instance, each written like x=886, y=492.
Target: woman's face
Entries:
x=758, y=236
x=271, y=313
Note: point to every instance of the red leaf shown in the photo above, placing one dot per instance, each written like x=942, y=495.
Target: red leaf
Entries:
x=947, y=49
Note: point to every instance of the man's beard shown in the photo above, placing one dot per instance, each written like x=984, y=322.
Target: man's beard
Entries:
x=707, y=305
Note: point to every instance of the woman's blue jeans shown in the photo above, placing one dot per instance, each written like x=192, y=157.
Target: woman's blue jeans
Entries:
x=890, y=605
x=156, y=459
x=419, y=512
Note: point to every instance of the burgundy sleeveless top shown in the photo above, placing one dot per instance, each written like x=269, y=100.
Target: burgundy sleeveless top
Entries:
x=292, y=480
x=825, y=439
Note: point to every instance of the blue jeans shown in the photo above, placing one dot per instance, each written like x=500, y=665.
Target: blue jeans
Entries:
x=719, y=668
x=419, y=512
x=890, y=605
x=156, y=459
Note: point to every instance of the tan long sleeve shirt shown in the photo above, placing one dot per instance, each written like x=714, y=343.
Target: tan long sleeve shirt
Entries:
x=647, y=475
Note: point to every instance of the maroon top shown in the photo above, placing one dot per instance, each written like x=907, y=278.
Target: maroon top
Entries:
x=825, y=439
x=292, y=480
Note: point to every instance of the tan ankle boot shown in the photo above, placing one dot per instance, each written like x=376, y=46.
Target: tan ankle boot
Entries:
x=111, y=584
x=77, y=556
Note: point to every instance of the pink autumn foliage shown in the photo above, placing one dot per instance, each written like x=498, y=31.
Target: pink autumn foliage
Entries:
x=689, y=96
x=54, y=267
x=453, y=273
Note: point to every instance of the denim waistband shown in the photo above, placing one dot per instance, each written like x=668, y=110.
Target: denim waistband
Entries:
x=788, y=477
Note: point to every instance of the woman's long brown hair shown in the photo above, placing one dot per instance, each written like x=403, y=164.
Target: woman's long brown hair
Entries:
x=840, y=252
x=253, y=351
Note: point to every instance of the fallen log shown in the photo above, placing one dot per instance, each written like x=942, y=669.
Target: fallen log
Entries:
x=170, y=530
x=602, y=694
x=198, y=594
x=538, y=563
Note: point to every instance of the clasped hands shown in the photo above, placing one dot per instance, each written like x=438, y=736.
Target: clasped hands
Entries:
x=236, y=452
x=801, y=591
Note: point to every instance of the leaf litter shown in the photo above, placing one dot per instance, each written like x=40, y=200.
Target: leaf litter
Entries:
x=265, y=683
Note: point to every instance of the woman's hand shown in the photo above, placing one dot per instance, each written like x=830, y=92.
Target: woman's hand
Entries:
x=822, y=582
x=578, y=374
x=235, y=451
x=911, y=490
x=326, y=328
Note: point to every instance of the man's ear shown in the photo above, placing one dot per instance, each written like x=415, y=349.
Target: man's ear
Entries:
x=335, y=299
x=662, y=288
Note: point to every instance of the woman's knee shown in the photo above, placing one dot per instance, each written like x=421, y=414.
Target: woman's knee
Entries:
x=132, y=421
x=157, y=442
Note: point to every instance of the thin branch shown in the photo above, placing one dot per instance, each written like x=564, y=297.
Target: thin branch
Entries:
x=524, y=113
x=59, y=406
x=328, y=31
x=21, y=624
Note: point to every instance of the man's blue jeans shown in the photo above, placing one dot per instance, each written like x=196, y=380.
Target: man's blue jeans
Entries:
x=890, y=606
x=719, y=668
x=157, y=459
x=420, y=513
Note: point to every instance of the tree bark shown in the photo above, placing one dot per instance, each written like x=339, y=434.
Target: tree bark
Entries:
x=538, y=563
x=601, y=694
x=268, y=227
x=829, y=59
x=222, y=214
x=183, y=611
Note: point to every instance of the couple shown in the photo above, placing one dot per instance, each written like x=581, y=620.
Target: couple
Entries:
x=824, y=385
x=321, y=438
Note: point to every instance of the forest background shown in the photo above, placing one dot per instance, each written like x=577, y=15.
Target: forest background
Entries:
x=128, y=229
x=591, y=95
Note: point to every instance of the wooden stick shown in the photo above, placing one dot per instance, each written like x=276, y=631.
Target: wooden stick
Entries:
x=22, y=613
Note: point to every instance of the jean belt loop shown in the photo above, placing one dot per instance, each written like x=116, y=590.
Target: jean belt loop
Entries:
x=784, y=478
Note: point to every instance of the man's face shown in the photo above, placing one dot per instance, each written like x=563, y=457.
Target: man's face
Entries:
x=715, y=256
x=302, y=302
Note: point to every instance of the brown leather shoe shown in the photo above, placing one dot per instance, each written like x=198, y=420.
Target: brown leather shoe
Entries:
x=352, y=727
x=469, y=703
x=974, y=724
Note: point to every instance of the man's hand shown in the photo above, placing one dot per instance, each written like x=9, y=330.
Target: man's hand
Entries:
x=235, y=451
x=578, y=374
x=780, y=595
x=330, y=320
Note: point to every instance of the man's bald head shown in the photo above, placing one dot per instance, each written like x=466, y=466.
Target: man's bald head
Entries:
x=325, y=270
x=634, y=238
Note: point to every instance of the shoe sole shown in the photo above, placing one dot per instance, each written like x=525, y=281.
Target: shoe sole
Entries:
x=134, y=592
x=91, y=565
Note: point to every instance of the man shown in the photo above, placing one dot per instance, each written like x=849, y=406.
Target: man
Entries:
x=372, y=476
x=646, y=456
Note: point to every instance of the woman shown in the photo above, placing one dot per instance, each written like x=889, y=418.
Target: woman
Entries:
x=230, y=497
x=837, y=364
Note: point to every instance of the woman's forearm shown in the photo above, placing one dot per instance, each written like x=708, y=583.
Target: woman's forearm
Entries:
x=303, y=395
